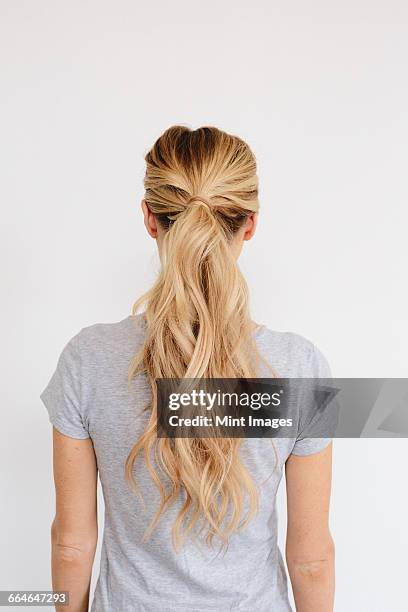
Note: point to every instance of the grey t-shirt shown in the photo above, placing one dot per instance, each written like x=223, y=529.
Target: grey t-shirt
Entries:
x=88, y=397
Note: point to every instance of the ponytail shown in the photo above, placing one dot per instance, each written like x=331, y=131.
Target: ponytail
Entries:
x=197, y=321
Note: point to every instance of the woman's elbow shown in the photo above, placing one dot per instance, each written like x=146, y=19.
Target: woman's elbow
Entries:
x=73, y=546
x=311, y=562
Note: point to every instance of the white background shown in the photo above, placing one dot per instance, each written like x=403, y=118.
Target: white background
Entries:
x=319, y=91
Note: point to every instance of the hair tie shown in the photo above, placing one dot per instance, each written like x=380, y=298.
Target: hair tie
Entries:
x=200, y=201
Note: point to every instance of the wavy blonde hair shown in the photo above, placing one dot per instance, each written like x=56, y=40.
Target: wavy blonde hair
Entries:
x=201, y=185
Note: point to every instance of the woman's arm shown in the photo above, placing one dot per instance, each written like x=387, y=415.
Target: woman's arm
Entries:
x=74, y=530
x=309, y=546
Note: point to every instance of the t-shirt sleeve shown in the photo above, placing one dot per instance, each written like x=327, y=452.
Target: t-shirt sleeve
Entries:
x=62, y=395
x=306, y=445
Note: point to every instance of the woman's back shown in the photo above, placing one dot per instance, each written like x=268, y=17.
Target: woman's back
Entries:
x=201, y=532
x=88, y=396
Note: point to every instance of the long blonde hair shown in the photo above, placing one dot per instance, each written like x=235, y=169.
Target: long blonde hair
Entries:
x=201, y=185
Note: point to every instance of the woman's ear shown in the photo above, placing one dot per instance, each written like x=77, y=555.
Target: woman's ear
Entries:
x=149, y=220
x=250, y=226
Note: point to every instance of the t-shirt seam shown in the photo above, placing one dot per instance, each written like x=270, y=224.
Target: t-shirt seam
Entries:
x=83, y=412
x=312, y=373
x=66, y=428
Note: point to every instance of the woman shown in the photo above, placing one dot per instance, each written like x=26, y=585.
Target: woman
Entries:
x=170, y=503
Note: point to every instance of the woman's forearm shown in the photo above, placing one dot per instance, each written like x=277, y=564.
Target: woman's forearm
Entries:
x=72, y=570
x=313, y=584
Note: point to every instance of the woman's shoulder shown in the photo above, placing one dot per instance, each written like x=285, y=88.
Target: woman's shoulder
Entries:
x=100, y=340
x=292, y=354
x=111, y=330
